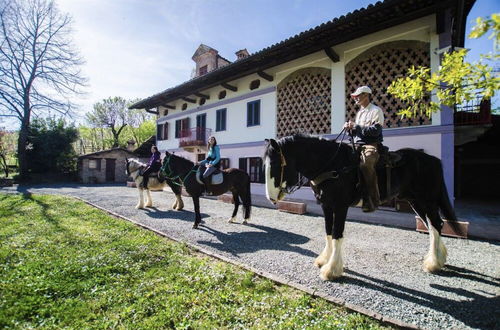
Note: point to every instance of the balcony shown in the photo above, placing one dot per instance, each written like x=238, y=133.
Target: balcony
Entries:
x=193, y=138
x=471, y=120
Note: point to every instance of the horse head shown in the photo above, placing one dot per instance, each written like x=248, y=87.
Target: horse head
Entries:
x=133, y=165
x=280, y=171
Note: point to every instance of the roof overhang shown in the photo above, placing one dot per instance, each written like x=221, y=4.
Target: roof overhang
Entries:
x=354, y=25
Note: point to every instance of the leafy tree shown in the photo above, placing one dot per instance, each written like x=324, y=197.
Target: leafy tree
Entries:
x=3, y=152
x=51, y=148
x=39, y=67
x=456, y=81
x=113, y=125
x=111, y=113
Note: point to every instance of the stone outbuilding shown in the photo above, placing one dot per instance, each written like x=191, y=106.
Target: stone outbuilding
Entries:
x=104, y=166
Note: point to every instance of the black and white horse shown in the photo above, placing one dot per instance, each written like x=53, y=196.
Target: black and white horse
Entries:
x=134, y=170
x=235, y=180
x=333, y=169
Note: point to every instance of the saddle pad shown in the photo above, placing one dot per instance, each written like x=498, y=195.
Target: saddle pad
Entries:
x=217, y=178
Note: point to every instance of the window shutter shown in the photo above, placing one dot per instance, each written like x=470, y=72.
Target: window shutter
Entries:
x=243, y=164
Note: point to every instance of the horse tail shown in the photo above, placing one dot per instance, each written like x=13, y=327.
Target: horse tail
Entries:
x=247, y=201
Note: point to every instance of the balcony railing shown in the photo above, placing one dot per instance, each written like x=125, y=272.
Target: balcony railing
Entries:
x=194, y=137
x=475, y=112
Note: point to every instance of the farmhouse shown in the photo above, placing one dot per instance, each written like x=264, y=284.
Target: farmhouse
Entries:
x=302, y=84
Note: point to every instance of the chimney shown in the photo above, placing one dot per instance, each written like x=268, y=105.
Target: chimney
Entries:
x=240, y=54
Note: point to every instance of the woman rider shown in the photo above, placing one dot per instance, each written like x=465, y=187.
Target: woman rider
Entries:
x=212, y=162
x=154, y=165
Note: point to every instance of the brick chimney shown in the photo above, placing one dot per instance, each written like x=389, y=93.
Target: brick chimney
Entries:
x=242, y=53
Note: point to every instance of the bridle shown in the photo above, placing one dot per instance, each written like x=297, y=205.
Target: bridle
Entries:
x=302, y=181
x=169, y=175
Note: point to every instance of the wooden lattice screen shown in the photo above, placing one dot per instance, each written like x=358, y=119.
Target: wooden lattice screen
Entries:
x=377, y=68
x=304, y=102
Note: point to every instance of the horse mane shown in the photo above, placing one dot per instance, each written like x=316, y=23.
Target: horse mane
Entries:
x=315, y=142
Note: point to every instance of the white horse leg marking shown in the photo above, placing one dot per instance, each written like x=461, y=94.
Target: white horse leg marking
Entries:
x=335, y=266
x=245, y=221
x=180, y=203
x=324, y=256
x=436, y=257
x=272, y=192
x=149, y=200
x=232, y=220
x=140, y=204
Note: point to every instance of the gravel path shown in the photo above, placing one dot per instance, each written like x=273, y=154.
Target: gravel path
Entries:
x=382, y=264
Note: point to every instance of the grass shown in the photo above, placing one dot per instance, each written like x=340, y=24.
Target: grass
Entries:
x=64, y=264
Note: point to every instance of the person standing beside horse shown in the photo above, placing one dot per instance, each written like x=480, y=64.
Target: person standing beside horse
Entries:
x=367, y=134
x=212, y=162
x=153, y=165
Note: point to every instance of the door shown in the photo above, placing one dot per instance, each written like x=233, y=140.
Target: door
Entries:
x=110, y=169
x=201, y=124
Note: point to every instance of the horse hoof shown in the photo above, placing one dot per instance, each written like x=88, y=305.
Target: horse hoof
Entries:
x=195, y=226
x=231, y=220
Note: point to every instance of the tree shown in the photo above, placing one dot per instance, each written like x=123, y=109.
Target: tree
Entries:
x=112, y=113
x=39, y=68
x=456, y=81
x=3, y=152
x=51, y=148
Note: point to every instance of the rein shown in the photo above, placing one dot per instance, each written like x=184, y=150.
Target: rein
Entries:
x=169, y=174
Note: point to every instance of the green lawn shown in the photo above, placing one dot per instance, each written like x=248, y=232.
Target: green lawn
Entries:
x=64, y=264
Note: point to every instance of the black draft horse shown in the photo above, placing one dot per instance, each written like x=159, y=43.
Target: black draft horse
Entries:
x=176, y=168
x=419, y=180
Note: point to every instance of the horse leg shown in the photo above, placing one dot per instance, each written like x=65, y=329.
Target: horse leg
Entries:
x=149, y=200
x=197, y=217
x=140, y=204
x=246, y=198
x=236, y=201
x=335, y=266
x=324, y=256
x=178, y=204
x=436, y=257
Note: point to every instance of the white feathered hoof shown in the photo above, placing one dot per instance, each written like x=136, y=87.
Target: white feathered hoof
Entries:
x=320, y=261
x=139, y=206
x=331, y=273
x=231, y=220
x=434, y=263
x=245, y=221
x=149, y=205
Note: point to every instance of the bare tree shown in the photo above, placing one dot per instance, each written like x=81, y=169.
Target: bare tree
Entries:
x=39, y=67
x=112, y=113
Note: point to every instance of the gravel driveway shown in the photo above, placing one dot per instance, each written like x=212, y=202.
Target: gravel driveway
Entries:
x=382, y=264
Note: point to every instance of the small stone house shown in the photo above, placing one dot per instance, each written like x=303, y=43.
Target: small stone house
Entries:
x=104, y=166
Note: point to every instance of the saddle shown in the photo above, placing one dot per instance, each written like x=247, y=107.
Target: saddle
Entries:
x=388, y=159
x=155, y=174
x=214, y=179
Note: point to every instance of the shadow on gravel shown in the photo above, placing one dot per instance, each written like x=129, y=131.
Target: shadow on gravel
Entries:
x=183, y=215
x=266, y=238
x=473, y=309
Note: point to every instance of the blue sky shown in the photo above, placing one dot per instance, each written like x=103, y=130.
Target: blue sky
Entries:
x=136, y=48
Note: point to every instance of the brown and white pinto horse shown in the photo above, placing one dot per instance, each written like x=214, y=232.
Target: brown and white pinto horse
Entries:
x=419, y=180
x=134, y=170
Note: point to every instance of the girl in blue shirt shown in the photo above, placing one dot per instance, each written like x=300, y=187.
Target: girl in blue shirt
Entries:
x=212, y=162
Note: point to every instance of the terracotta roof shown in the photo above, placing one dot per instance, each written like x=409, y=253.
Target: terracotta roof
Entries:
x=105, y=151
x=356, y=24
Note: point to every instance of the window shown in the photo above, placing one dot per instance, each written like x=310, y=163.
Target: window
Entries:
x=220, y=120
x=95, y=164
x=203, y=70
x=162, y=131
x=181, y=127
x=253, y=166
x=224, y=163
x=253, y=113
x=184, y=106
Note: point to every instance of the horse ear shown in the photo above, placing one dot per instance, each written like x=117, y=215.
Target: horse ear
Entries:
x=266, y=140
x=274, y=144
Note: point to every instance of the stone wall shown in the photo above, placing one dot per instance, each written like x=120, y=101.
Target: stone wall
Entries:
x=98, y=175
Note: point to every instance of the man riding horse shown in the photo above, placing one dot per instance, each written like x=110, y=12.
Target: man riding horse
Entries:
x=367, y=133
